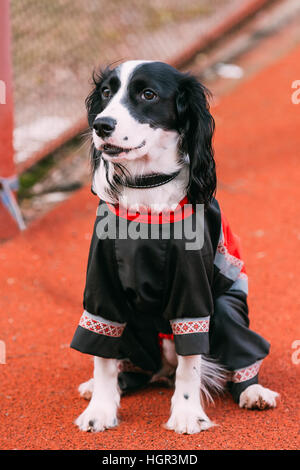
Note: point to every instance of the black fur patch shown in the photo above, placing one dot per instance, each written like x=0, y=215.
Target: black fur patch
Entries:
x=163, y=80
x=180, y=104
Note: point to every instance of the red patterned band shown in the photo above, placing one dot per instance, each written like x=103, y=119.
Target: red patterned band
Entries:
x=222, y=249
x=241, y=375
x=101, y=326
x=187, y=326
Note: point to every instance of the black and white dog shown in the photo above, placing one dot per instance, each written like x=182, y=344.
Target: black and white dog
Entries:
x=152, y=149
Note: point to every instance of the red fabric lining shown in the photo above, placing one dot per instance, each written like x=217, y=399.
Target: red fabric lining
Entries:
x=162, y=336
x=182, y=211
x=231, y=241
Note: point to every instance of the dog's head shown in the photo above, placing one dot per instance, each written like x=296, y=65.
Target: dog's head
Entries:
x=141, y=108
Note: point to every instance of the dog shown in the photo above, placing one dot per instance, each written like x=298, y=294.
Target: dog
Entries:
x=152, y=304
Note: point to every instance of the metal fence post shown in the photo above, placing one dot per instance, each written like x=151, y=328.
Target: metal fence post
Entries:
x=10, y=217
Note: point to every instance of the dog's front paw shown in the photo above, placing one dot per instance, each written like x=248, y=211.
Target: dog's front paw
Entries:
x=258, y=397
x=190, y=421
x=97, y=418
x=86, y=389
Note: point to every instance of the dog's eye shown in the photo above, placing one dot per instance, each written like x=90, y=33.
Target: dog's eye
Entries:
x=148, y=95
x=105, y=93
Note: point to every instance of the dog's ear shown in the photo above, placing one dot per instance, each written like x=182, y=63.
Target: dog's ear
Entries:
x=196, y=127
x=93, y=101
x=94, y=106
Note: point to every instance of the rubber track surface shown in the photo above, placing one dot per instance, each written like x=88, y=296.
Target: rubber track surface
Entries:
x=42, y=279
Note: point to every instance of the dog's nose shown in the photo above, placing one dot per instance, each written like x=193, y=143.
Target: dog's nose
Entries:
x=104, y=126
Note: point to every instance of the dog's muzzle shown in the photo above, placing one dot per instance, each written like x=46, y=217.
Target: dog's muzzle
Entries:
x=113, y=150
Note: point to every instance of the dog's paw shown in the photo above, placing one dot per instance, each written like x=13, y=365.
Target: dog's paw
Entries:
x=97, y=418
x=164, y=376
x=185, y=421
x=258, y=397
x=86, y=389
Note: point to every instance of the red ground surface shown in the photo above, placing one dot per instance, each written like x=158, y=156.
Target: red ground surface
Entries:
x=42, y=279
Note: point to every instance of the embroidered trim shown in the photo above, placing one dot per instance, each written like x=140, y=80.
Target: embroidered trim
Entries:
x=101, y=326
x=243, y=276
x=222, y=249
x=241, y=283
x=241, y=375
x=229, y=265
x=188, y=326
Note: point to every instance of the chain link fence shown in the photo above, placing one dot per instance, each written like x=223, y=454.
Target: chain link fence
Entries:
x=56, y=44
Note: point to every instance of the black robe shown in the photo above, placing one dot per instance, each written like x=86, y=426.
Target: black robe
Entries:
x=178, y=274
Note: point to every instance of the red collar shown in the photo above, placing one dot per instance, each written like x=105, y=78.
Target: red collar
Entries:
x=182, y=211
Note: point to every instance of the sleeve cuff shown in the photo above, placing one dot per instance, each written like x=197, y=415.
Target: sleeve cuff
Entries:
x=191, y=335
x=97, y=336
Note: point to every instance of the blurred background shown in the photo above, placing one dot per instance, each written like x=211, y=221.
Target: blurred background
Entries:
x=55, y=46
